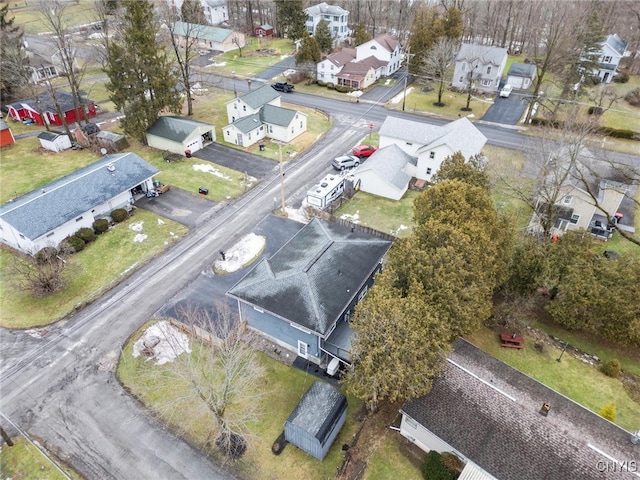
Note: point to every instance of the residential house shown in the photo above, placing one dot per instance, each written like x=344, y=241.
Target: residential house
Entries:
x=337, y=18
x=55, y=142
x=215, y=11
x=210, y=38
x=46, y=216
x=6, y=135
x=415, y=149
x=521, y=75
x=507, y=425
x=360, y=67
x=611, y=53
x=45, y=62
x=302, y=297
x=258, y=114
x=179, y=135
x=43, y=109
x=385, y=48
x=479, y=65
x=317, y=419
x=567, y=193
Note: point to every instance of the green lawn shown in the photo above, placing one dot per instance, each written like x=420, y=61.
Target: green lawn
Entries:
x=283, y=387
x=389, y=462
x=571, y=377
x=29, y=16
x=22, y=310
x=25, y=462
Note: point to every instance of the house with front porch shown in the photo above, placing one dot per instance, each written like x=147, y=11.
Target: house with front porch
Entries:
x=46, y=216
x=479, y=66
x=332, y=64
x=504, y=424
x=302, y=297
x=336, y=17
x=386, y=48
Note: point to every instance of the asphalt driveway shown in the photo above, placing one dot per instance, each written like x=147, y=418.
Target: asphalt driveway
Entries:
x=254, y=165
x=508, y=110
x=180, y=206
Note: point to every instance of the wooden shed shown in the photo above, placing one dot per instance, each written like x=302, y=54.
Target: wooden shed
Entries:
x=6, y=135
x=56, y=142
x=317, y=419
x=265, y=30
x=113, y=142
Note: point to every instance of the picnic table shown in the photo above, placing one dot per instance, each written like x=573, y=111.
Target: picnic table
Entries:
x=511, y=340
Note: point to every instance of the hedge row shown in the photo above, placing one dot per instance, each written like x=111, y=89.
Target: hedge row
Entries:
x=85, y=235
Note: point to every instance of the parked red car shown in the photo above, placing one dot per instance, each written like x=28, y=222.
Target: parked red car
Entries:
x=363, y=151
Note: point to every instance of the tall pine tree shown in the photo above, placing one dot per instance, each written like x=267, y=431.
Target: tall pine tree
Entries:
x=12, y=58
x=323, y=36
x=290, y=18
x=141, y=81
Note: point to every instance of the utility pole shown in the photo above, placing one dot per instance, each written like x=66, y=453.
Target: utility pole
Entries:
x=404, y=94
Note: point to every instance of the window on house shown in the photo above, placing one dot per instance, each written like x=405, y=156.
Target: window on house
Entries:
x=432, y=154
x=574, y=218
x=567, y=200
x=486, y=83
x=244, y=108
x=50, y=234
x=606, y=59
x=300, y=123
x=292, y=129
x=461, y=80
x=78, y=219
x=261, y=127
x=363, y=292
x=411, y=422
x=488, y=69
x=429, y=171
x=270, y=128
x=336, y=18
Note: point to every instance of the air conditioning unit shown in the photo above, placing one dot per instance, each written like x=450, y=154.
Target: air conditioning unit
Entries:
x=333, y=366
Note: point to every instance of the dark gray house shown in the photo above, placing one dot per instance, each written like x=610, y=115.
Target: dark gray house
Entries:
x=317, y=419
x=505, y=425
x=303, y=296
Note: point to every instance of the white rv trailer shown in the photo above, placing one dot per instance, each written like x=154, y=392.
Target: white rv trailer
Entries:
x=326, y=191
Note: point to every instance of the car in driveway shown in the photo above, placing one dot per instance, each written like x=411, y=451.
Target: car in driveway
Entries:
x=282, y=87
x=364, y=151
x=345, y=161
x=506, y=91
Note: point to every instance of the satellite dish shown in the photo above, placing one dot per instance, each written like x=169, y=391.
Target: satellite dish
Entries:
x=103, y=151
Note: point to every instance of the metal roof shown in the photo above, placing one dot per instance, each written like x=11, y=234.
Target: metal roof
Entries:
x=175, y=128
x=202, y=32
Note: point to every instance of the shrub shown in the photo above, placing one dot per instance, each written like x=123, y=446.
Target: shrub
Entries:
x=596, y=110
x=45, y=255
x=321, y=83
x=435, y=469
x=331, y=86
x=622, y=77
x=86, y=234
x=73, y=243
x=342, y=89
x=608, y=412
x=611, y=368
x=119, y=214
x=101, y=225
x=618, y=133
x=633, y=97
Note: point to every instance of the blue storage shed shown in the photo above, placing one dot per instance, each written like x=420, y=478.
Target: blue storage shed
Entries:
x=317, y=419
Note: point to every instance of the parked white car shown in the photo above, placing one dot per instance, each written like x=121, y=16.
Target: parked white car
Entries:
x=506, y=91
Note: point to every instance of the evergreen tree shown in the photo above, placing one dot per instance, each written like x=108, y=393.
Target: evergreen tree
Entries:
x=191, y=11
x=452, y=23
x=426, y=29
x=360, y=35
x=290, y=18
x=323, y=36
x=456, y=167
x=309, y=51
x=141, y=81
x=13, y=61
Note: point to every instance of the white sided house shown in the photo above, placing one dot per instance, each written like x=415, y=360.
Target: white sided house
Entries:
x=611, y=53
x=337, y=18
x=177, y=134
x=480, y=66
x=257, y=115
x=333, y=64
x=415, y=149
x=385, y=48
x=46, y=216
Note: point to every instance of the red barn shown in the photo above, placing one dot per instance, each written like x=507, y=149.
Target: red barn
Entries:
x=28, y=110
x=6, y=135
x=264, y=31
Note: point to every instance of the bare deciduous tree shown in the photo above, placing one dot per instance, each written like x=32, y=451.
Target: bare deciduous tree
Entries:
x=41, y=274
x=221, y=378
x=437, y=65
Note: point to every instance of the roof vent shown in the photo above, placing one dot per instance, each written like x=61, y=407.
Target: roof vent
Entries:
x=111, y=167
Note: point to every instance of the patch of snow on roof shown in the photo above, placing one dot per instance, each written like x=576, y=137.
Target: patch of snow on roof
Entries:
x=168, y=342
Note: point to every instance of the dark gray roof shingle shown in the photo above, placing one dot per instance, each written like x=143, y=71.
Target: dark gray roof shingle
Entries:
x=40, y=211
x=525, y=70
x=260, y=96
x=489, y=412
x=314, y=276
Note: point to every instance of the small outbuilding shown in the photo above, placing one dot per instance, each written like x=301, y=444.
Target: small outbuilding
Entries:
x=264, y=30
x=56, y=142
x=316, y=420
x=6, y=135
x=521, y=75
x=177, y=134
x=113, y=142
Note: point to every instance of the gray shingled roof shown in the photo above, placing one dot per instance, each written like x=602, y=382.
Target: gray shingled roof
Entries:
x=40, y=211
x=314, y=276
x=249, y=123
x=323, y=8
x=65, y=99
x=277, y=115
x=526, y=70
x=460, y=135
x=260, y=96
x=175, y=128
x=469, y=52
x=388, y=164
x=318, y=410
x=489, y=412
x=617, y=43
x=202, y=32
x=48, y=136
x=3, y=125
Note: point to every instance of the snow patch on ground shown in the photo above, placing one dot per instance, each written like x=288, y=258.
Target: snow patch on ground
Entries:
x=355, y=218
x=137, y=226
x=212, y=170
x=401, y=95
x=399, y=229
x=160, y=222
x=217, y=64
x=139, y=238
x=297, y=214
x=168, y=342
x=242, y=253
